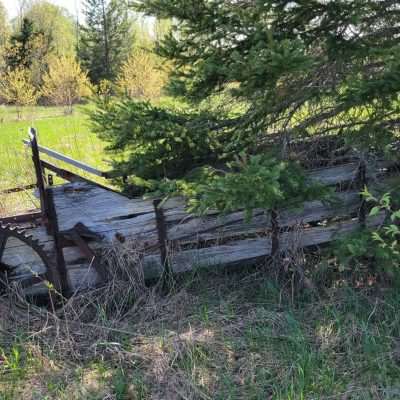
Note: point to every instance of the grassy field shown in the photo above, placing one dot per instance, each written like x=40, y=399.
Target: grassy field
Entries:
x=222, y=337
x=68, y=134
x=215, y=336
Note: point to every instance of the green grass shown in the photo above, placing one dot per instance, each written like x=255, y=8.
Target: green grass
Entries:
x=222, y=337
x=68, y=134
x=225, y=337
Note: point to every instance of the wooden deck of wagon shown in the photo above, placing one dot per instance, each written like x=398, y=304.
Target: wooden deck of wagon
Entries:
x=188, y=240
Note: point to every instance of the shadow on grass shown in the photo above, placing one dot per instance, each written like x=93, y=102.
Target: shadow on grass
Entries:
x=216, y=336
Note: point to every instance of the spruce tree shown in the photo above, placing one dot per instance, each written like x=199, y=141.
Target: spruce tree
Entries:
x=21, y=50
x=299, y=67
x=106, y=38
x=254, y=76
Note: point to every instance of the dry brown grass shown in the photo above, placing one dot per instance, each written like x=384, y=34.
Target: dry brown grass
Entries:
x=213, y=336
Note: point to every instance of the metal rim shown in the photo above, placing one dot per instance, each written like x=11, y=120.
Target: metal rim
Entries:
x=6, y=271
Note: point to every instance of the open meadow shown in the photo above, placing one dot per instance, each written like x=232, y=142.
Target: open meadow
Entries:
x=67, y=134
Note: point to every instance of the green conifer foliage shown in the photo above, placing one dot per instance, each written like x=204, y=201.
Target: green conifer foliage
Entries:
x=302, y=66
x=260, y=72
x=23, y=45
x=106, y=38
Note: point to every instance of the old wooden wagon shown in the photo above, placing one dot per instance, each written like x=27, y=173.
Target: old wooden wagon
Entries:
x=63, y=243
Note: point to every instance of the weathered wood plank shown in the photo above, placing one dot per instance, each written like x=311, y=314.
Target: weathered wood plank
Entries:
x=209, y=228
x=82, y=277
x=240, y=252
x=106, y=212
x=143, y=228
x=23, y=261
x=131, y=222
x=347, y=172
x=135, y=218
x=82, y=193
x=250, y=250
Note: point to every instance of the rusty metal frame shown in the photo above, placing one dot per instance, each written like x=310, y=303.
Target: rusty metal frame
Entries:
x=51, y=273
x=64, y=286
x=71, y=176
x=40, y=180
x=275, y=230
x=21, y=218
x=76, y=236
x=162, y=238
x=49, y=217
x=89, y=254
x=18, y=189
x=362, y=181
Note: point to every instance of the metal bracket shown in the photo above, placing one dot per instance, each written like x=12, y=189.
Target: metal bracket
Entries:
x=78, y=236
x=162, y=239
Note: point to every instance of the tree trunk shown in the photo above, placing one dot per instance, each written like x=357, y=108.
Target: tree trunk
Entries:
x=19, y=112
x=106, y=47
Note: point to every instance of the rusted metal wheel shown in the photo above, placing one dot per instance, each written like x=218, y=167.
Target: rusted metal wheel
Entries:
x=36, y=270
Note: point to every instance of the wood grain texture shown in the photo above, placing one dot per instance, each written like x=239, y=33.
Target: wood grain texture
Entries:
x=250, y=250
x=112, y=215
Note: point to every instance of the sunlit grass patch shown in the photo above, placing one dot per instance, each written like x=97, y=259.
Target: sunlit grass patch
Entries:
x=67, y=134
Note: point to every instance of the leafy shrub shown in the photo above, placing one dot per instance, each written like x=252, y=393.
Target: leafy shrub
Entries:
x=377, y=249
x=65, y=83
x=142, y=75
x=16, y=88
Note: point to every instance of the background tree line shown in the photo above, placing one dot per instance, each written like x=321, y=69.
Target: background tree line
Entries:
x=47, y=56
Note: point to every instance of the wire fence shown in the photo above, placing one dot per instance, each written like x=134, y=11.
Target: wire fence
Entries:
x=17, y=191
x=20, y=202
